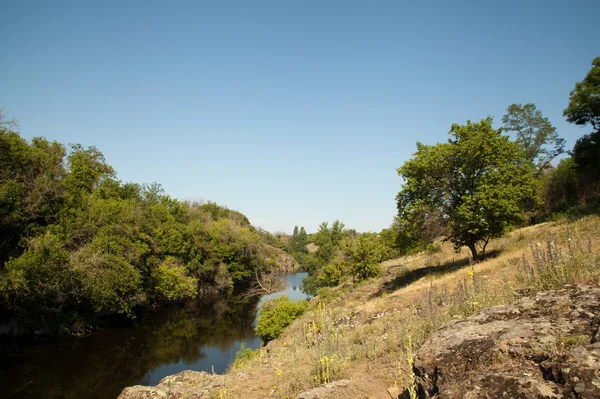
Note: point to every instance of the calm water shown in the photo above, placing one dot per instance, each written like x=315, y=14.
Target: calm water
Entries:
x=199, y=338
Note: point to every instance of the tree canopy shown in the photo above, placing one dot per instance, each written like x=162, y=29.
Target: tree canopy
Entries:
x=584, y=100
x=76, y=243
x=474, y=185
x=535, y=134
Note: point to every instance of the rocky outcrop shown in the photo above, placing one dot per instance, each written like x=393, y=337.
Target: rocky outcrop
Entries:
x=540, y=347
x=284, y=261
x=184, y=385
x=325, y=391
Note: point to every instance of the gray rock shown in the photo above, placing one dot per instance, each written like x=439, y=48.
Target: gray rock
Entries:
x=324, y=391
x=184, y=385
x=539, y=347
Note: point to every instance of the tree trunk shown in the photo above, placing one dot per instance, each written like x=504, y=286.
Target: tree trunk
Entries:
x=473, y=249
x=485, y=243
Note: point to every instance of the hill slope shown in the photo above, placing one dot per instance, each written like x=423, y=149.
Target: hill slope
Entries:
x=358, y=342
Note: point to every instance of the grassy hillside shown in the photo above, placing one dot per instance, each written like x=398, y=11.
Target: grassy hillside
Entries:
x=366, y=335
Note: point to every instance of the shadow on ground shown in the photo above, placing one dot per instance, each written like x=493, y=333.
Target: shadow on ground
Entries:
x=406, y=277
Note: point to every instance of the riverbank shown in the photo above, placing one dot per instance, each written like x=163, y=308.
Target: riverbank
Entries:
x=198, y=336
x=358, y=342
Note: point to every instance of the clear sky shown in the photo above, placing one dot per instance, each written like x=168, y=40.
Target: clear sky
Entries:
x=292, y=112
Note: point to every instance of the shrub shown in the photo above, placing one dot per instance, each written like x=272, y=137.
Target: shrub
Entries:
x=243, y=356
x=554, y=266
x=365, y=256
x=172, y=282
x=276, y=315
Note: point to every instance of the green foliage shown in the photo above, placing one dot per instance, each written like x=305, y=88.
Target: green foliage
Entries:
x=327, y=294
x=277, y=240
x=432, y=249
x=243, y=356
x=584, y=101
x=39, y=278
x=584, y=109
x=389, y=239
x=365, y=253
x=86, y=168
x=354, y=255
x=553, y=266
x=535, y=134
x=575, y=182
x=329, y=236
x=586, y=157
x=325, y=266
x=573, y=186
x=76, y=243
x=218, y=212
x=275, y=315
x=171, y=281
x=473, y=185
x=328, y=275
x=31, y=189
x=298, y=241
x=586, y=154
x=560, y=188
x=239, y=248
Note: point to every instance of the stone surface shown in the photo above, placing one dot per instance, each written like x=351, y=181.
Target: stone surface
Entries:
x=324, y=391
x=184, y=385
x=539, y=347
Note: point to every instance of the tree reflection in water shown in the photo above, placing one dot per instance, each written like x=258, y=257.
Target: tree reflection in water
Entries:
x=197, y=337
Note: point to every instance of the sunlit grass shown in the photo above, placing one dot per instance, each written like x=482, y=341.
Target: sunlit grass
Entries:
x=363, y=333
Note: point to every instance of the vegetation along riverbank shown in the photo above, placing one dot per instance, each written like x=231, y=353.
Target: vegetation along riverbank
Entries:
x=483, y=220
x=494, y=215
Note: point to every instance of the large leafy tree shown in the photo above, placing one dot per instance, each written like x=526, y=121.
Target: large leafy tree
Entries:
x=474, y=184
x=30, y=188
x=584, y=101
x=535, y=134
x=584, y=109
x=586, y=156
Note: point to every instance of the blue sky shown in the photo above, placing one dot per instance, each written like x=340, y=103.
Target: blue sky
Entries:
x=292, y=112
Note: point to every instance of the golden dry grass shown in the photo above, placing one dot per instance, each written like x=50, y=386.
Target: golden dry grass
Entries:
x=366, y=334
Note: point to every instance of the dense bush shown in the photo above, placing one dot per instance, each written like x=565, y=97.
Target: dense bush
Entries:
x=76, y=243
x=243, y=356
x=276, y=314
x=346, y=254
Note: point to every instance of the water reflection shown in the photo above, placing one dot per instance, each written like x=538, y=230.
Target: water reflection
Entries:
x=293, y=289
x=199, y=337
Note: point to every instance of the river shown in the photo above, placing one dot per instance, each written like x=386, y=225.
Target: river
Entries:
x=99, y=366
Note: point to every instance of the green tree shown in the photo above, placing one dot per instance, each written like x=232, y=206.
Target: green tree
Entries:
x=31, y=192
x=586, y=156
x=586, y=153
x=365, y=254
x=87, y=167
x=584, y=109
x=298, y=241
x=171, y=281
x=584, y=101
x=474, y=184
x=535, y=134
x=275, y=315
x=302, y=240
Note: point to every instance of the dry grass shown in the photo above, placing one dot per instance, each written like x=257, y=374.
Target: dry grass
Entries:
x=368, y=334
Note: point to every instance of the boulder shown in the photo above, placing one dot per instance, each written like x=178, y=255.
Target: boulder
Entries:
x=184, y=385
x=538, y=347
x=325, y=391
